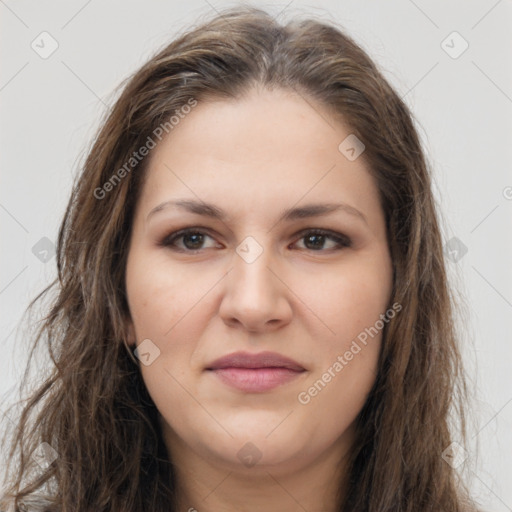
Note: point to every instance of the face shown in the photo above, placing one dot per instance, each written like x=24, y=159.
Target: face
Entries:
x=258, y=270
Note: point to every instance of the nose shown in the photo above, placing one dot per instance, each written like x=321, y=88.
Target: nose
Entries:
x=256, y=297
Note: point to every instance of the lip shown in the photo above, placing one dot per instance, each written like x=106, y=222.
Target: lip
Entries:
x=255, y=373
x=258, y=360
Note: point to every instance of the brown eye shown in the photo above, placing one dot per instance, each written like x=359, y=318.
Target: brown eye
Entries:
x=315, y=240
x=191, y=240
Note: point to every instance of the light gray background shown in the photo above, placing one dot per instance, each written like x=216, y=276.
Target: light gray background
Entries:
x=50, y=109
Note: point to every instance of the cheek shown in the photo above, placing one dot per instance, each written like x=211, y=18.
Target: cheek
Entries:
x=346, y=301
x=350, y=305
x=162, y=306
x=160, y=298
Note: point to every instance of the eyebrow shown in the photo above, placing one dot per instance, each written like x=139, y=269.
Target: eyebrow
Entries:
x=301, y=212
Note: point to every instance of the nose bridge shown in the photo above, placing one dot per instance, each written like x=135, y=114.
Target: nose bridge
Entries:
x=253, y=295
x=251, y=276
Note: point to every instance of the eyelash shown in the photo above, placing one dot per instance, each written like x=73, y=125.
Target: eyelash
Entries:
x=342, y=240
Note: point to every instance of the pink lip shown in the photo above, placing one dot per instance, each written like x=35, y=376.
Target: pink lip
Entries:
x=255, y=373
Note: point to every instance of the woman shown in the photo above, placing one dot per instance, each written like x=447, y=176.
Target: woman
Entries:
x=253, y=311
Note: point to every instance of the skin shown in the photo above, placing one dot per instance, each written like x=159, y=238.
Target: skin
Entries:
x=255, y=157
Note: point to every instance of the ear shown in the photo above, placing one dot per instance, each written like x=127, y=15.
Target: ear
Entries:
x=131, y=339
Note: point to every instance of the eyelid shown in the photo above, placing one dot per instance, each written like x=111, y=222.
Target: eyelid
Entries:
x=341, y=239
x=169, y=239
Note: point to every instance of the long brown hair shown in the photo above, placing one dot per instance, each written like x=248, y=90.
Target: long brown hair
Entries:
x=94, y=410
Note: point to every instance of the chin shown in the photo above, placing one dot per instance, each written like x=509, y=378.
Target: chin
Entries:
x=255, y=450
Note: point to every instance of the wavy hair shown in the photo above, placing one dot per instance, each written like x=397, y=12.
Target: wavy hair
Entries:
x=93, y=408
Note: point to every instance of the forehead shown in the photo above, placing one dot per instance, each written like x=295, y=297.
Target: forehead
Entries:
x=266, y=148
